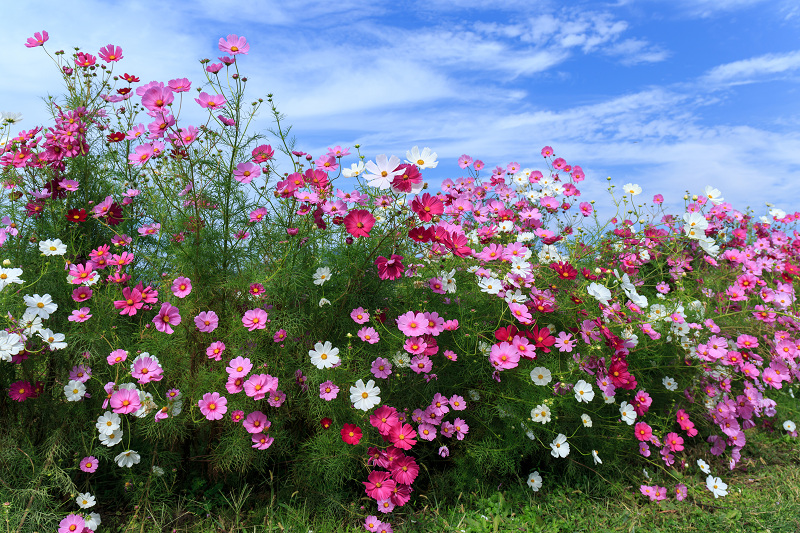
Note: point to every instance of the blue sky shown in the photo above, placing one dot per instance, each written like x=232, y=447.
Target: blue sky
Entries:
x=672, y=95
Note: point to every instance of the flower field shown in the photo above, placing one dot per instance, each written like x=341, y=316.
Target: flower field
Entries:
x=191, y=309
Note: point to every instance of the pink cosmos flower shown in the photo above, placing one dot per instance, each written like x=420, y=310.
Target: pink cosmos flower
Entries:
x=279, y=336
x=180, y=85
x=381, y=368
x=674, y=442
x=421, y=364
x=262, y=441
x=110, y=53
x=237, y=416
x=415, y=345
x=368, y=335
x=166, y=318
x=141, y=154
x=256, y=422
x=403, y=436
x=80, y=315
x=239, y=367
x=38, y=39
x=234, y=45
x=181, y=287
x=146, y=370
x=206, y=321
x=117, y=356
x=215, y=349
x=213, y=406
x=132, y=301
x=359, y=315
x=258, y=215
x=89, y=464
x=20, y=391
x=259, y=385
x=411, y=324
x=234, y=385
x=72, y=523
x=125, y=401
x=246, y=172
x=328, y=391
x=255, y=319
x=643, y=431
x=504, y=356
x=212, y=102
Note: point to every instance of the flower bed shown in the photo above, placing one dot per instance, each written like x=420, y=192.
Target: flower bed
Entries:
x=346, y=326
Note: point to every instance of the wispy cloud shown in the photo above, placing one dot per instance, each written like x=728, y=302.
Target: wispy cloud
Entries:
x=760, y=68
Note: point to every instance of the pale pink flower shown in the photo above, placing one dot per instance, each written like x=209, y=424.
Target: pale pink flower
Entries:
x=206, y=321
x=125, y=401
x=256, y=422
x=255, y=319
x=80, y=315
x=259, y=385
x=234, y=45
x=239, y=367
x=328, y=391
x=208, y=101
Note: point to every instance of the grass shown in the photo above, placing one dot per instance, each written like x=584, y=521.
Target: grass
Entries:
x=763, y=497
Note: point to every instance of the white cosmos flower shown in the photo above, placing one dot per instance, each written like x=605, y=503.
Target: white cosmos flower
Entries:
x=632, y=188
x=365, y=397
x=583, y=391
x=382, y=171
x=695, y=225
x=541, y=414
x=52, y=247
x=85, y=500
x=108, y=423
x=627, y=413
x=599, y=293
x=74, y=390
x=324, y=355
x=559, y=447
x=716, y=486
x=324, y=301
x=541, y=376
x=111, y=439
x=10, y=344
x=789, y=426
x=55, y=340
x=41, y=305
x=157, y=470
x=10, y=275
x=669, y=383
x=596, y=458
x=424, y=159
x=356, y=169
x=128, y=458
x=587, y=420
x=92, y=521
x=535, y=481
x=703, y=466
x=322, y=275
x=490, y=285
x=714, y=195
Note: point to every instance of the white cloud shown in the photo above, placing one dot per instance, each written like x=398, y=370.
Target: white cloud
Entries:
x=753, y=69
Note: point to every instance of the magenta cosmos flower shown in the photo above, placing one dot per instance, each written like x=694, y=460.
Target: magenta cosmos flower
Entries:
x=390, y=269
x=255, y=319
x=166, y=318
x=206, y=321
x=359, y=222
x=125, y=401
x=213, y=406
x=181, y=287
x=110, y=53
x=234, y=45
x=38, y=39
